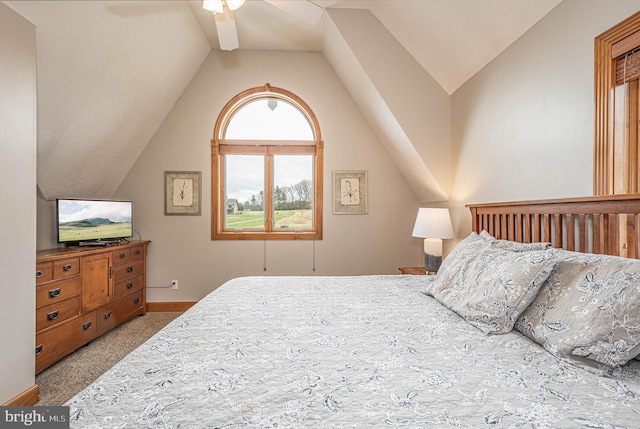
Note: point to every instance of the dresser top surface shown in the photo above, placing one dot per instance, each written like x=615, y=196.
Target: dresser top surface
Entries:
x=83, y=250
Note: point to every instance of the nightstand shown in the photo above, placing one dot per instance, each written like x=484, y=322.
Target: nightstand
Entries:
x=416, y=271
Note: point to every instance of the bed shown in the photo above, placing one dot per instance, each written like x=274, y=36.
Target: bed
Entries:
x=409, y=351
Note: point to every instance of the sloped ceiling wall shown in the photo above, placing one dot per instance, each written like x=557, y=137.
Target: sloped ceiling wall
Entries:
x=110, y=71
x=123, y=65
x=406, y=107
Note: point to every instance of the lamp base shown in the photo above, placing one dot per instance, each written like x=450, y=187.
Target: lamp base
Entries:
x=432, y=254
x=432, y=263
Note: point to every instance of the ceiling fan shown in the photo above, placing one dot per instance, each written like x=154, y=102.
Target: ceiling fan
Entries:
x=226, y=25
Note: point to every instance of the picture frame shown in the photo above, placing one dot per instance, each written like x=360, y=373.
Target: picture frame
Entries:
x=182, y=193
x=350, y=189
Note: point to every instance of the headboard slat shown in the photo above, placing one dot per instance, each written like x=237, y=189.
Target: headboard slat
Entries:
x=612, y=242
x=636, y=238
x=527, y=229
x=631, y=249
x=547, y=227
x=558, y=235
x=603, y=224
x=571, y=238
x=511, y=226
x=598, y=228
x=583, y=229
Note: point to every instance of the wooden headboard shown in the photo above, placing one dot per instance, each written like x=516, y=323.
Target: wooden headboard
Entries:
x=605, y=224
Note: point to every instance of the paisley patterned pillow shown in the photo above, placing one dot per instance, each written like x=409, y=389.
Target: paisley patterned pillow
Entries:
x=488, y=286
x=588, y=311
x=467, y=248
x=513, y=246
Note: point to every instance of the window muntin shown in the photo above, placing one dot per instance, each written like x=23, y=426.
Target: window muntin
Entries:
x=266, y=144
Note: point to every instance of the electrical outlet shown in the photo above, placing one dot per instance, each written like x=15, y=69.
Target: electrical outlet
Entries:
x=174, y=284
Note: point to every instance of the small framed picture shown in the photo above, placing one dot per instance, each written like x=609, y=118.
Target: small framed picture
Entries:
x=182, y=193
x=350, y=192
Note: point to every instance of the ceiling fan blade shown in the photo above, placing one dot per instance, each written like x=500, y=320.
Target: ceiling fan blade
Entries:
x=303, y=9
x=226, y=28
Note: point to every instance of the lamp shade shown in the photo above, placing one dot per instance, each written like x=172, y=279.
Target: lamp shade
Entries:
x=433, y=223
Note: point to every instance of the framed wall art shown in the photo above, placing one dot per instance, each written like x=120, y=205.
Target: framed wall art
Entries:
x=182, y=193
x=350, y=192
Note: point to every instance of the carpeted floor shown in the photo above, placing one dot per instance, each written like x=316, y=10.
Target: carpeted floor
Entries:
x=60, y=382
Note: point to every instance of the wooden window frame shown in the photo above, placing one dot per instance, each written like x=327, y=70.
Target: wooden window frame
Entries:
x=220, y=147
x=607, y=47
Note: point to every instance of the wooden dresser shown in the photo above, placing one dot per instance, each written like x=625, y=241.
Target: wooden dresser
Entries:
x=82, y=292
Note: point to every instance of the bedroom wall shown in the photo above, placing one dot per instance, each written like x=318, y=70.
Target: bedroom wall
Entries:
x=18, y=193
x=522, y=128
x=181, y=248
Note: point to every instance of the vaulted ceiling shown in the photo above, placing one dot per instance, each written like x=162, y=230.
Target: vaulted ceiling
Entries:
x=110, y=71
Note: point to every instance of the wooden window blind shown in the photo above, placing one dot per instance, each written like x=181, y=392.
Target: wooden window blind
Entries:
x=628, y=67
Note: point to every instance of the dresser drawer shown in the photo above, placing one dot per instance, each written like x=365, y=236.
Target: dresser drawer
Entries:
x=56, y=313
x=122, y=256
x=54, y=343
x=119, y=311
x=133, y=268
x=137, y=252
x=65, y=268
x=57, y=270
x=127, y=286
x=44, y=272
x=55, y=292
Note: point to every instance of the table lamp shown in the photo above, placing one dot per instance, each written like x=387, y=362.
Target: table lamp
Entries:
x=433, y=224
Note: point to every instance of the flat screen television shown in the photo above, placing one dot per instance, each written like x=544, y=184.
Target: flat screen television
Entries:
x=93, y=222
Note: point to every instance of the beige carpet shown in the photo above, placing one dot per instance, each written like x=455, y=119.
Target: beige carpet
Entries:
x=60, y=382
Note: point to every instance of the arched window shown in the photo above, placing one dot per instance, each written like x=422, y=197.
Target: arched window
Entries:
x=266, y=168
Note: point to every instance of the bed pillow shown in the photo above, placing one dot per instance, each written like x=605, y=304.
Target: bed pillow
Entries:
x=467, y=248
x=491, y=287
x=513, y=246
x=588, y=311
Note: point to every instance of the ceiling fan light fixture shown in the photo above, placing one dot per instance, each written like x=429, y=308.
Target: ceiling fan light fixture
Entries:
x=215, y=6
x=234, y=4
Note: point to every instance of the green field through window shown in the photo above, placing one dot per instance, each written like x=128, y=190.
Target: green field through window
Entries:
x=284, y=219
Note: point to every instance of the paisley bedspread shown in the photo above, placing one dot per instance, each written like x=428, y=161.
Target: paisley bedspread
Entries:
x=346, y=352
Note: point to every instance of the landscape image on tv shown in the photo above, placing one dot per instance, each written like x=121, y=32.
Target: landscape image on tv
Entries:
x=85, y=220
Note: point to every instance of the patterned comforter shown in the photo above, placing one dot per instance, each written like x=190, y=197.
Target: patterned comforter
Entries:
x=346, y=352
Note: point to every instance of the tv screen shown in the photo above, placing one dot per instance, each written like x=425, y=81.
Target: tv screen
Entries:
x=93, y=220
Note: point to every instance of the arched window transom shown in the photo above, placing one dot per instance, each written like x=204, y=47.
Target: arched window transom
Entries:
x=266, y=165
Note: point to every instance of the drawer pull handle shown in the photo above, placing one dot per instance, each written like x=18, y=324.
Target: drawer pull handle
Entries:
x=38, y=349
x=137, y=300
x=38, y=274
x=54, y=293
x=86, y=325
x=129, y=269
x=137, y=252
x=129, y=286
x=66, y=267
x=107, y=315
x=53, y=315
x=121, y=256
